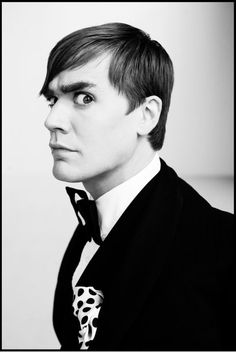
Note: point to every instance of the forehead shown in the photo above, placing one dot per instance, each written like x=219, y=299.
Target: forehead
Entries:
x=95, y=72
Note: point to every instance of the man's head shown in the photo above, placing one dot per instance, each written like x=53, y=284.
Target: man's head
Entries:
x=139, y=67
x=128, y=68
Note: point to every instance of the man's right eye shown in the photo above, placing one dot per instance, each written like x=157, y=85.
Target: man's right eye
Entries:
x=52, y=101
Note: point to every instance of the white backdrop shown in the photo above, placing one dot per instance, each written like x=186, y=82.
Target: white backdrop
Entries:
x=37, y=217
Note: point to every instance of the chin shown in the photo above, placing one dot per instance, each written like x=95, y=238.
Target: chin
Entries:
x=63, y=172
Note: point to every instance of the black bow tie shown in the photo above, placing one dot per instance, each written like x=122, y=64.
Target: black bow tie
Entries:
x=86, y=212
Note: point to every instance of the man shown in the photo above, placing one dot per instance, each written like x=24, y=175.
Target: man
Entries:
x=159, y=272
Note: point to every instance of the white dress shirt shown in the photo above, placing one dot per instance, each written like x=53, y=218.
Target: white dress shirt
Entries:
x=111, y=206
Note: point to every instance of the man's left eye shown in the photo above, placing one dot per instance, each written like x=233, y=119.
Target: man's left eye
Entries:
x=82, y=98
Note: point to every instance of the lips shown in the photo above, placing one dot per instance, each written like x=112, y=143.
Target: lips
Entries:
x=56, y=146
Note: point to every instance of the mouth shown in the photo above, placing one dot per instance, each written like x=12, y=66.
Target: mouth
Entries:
x=60, y=147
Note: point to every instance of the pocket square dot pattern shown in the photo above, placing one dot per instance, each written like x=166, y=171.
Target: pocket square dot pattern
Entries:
x=87, y=304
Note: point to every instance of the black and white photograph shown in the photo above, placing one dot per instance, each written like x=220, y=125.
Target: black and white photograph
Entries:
x=118, y=176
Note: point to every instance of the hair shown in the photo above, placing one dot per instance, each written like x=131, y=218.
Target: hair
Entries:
x=139, y=67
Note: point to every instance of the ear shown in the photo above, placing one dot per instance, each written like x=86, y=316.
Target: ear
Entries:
x=150, y=113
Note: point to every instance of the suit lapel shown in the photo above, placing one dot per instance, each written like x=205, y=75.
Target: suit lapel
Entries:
x=132, y=257
x=64, y=322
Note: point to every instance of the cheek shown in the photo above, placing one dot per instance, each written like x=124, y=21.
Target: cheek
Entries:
x=106, y=129
x=119, y=131
x=118, y=140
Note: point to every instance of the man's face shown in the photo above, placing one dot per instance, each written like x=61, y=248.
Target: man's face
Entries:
x=92, y=138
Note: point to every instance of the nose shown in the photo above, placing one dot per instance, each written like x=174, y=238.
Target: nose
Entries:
x=58, y=118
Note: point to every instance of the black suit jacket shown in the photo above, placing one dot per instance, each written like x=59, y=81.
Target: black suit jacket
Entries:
x=167, y=272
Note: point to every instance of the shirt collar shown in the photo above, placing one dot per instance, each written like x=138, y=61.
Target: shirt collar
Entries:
x=113, y=203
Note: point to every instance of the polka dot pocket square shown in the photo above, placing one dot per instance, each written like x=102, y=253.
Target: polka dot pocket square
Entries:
x=87, y=304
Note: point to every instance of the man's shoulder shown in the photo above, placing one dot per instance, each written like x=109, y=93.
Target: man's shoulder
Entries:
x=209, y=229
x=194, y=199
x=198, y=210
x=194, y=204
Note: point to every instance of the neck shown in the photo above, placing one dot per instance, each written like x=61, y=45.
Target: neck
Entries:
x=107, y=181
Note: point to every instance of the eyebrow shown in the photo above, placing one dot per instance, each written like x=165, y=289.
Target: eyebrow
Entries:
x=68, y=88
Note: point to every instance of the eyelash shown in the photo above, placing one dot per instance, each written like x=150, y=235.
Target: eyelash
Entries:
x=76, y=94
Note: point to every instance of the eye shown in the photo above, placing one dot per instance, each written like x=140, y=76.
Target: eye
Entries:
x=82, y=98
x=52, y=101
